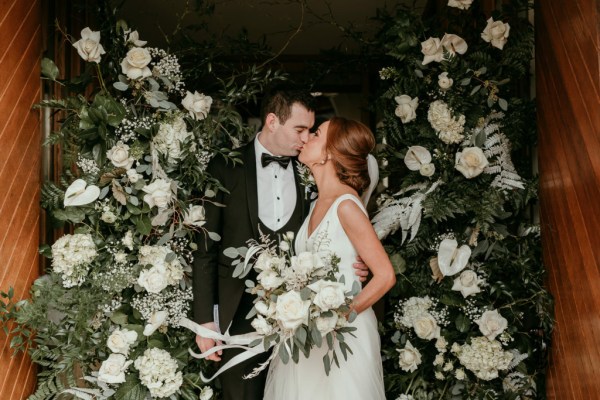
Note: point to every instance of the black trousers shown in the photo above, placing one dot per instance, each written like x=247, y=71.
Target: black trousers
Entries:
x=234, y=386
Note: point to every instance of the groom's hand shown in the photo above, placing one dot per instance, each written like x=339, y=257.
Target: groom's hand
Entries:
x=360, y=269
x=206, y=344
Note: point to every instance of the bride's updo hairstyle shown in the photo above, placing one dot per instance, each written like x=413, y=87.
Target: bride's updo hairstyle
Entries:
x=349, y=143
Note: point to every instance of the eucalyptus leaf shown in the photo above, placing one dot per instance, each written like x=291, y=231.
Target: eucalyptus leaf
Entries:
x=49, y=69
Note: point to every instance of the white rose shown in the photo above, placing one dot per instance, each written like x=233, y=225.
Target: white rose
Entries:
x=427, y=170
x=135, y=63
x=195, y=216
x=410, y=358
x=89, y=47
x=496, y=33
x=433, y=50
x=407, y=107
x=197, y=104
x=444, y=81
x=289, y=235
x=133, y=175
x=454, y=44
x=291, y=311
x=119, y=156
x=109, y=217
x=491, y=324
x=154, y=279
x=426, y=327
x=269, y=279
x=113, y=369
x=120, y=340
x=261, y=307
x=467, y=283
x=303, y=263
x=206, y=393
x=326, y=324
x=284, y=246
x=329, y=295
x=156, y=321
x=462, y=4
x=261, y=325
x=263, y=261
x=416, y=157
x=471, y=162
x=159, y=193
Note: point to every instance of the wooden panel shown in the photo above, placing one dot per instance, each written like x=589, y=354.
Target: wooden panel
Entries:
x=20, y=52
x=567, y=81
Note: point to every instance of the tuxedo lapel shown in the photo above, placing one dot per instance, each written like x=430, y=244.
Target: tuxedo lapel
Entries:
x=251, y=186
x=301, y=194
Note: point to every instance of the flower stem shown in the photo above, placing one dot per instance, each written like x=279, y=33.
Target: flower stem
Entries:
x=100, y=79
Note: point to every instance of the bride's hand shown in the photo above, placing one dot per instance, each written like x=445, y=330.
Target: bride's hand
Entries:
x=360, y=269
x=206, y=344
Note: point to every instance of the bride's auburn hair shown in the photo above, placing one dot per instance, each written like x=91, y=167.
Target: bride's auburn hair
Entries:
x=349, y=143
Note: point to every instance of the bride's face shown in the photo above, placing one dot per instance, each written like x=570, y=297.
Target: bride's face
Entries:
x=313, y=151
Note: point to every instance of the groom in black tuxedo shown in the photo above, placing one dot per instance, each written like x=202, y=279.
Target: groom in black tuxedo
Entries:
x=265, y=191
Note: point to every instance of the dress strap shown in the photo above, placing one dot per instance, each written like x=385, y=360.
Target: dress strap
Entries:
x=349, y=196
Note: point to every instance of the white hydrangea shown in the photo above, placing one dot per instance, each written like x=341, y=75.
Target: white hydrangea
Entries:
x=170, y=137
x=71, y=257
x=448, y=128
x=411, y=309
x=158, y=372
x=484, y=357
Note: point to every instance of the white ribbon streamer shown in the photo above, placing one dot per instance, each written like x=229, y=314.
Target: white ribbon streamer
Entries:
x=242, y=341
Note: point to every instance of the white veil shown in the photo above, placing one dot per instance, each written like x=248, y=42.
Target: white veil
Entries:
x=374, y=175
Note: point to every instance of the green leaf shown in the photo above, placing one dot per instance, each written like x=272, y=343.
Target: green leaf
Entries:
x=462, y=323
x=131, y=389
x=301, y=335
x=503, y=104
x=49, y=69
x=121, y=86
x=283, y=354
x=231, y=252
x=143, y=225
x=119, y=318
x=214, y=236
x=327, y=364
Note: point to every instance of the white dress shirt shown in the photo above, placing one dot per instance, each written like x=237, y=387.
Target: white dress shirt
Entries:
x=276, y=190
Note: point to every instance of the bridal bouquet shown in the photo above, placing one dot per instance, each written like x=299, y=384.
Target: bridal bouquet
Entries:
x=300, y=303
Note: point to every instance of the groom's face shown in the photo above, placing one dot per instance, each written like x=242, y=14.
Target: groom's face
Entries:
x=290, y=137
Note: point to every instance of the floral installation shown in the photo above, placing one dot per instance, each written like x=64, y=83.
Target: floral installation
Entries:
x=469, y=316
x=136, y=142
x=301, y=303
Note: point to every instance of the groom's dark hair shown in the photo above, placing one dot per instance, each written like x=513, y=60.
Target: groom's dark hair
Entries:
x=279, y=101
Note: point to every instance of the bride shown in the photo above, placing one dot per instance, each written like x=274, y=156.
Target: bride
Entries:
x=337, y=157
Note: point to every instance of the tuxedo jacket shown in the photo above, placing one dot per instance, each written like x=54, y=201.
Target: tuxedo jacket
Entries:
x=235, y=223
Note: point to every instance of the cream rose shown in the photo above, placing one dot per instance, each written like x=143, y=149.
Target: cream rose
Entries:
x=467, y=283
x=156, y=321
x=291, y=311
x=454, y=44
x=326, y=324
x=496, y=33
x=89, y=47
x=444, y=81
x=135, y=63
x=329, y=295
x=133, y=175
x=109, y=217
x=260, y=325
x=432, y=50
x=195, y=216
x=410, y=357
x=113, y=369
x=303, y=263
x=407, y=107
x=154, y=279
x=427, y=170
x=269, y=279
x=491, y=324
x=462, y=4
x=426, y=327
x=121, y=340
x=471, y=162
x=284, y=246
x=119, y=155
x=197, y=104
x=158, y=193
x=206, y=393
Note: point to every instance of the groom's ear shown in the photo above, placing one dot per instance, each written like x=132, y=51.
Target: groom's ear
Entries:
x=271, y=121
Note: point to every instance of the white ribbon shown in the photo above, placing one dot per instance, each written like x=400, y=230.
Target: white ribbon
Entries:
x=242, y=341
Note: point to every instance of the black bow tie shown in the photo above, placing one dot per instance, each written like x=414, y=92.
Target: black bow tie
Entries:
x=266, y=159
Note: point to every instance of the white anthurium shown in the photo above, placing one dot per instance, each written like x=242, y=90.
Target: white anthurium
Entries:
x=451, y=258
x=79, y=193
x=416, y=157
x=155, y=322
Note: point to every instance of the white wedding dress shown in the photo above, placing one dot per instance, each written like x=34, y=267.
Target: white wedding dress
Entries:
x=360, y=377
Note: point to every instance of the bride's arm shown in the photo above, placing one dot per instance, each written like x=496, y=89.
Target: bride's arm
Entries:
x=362, y=235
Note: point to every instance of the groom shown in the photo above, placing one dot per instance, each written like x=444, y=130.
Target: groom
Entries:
x=265, y=191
